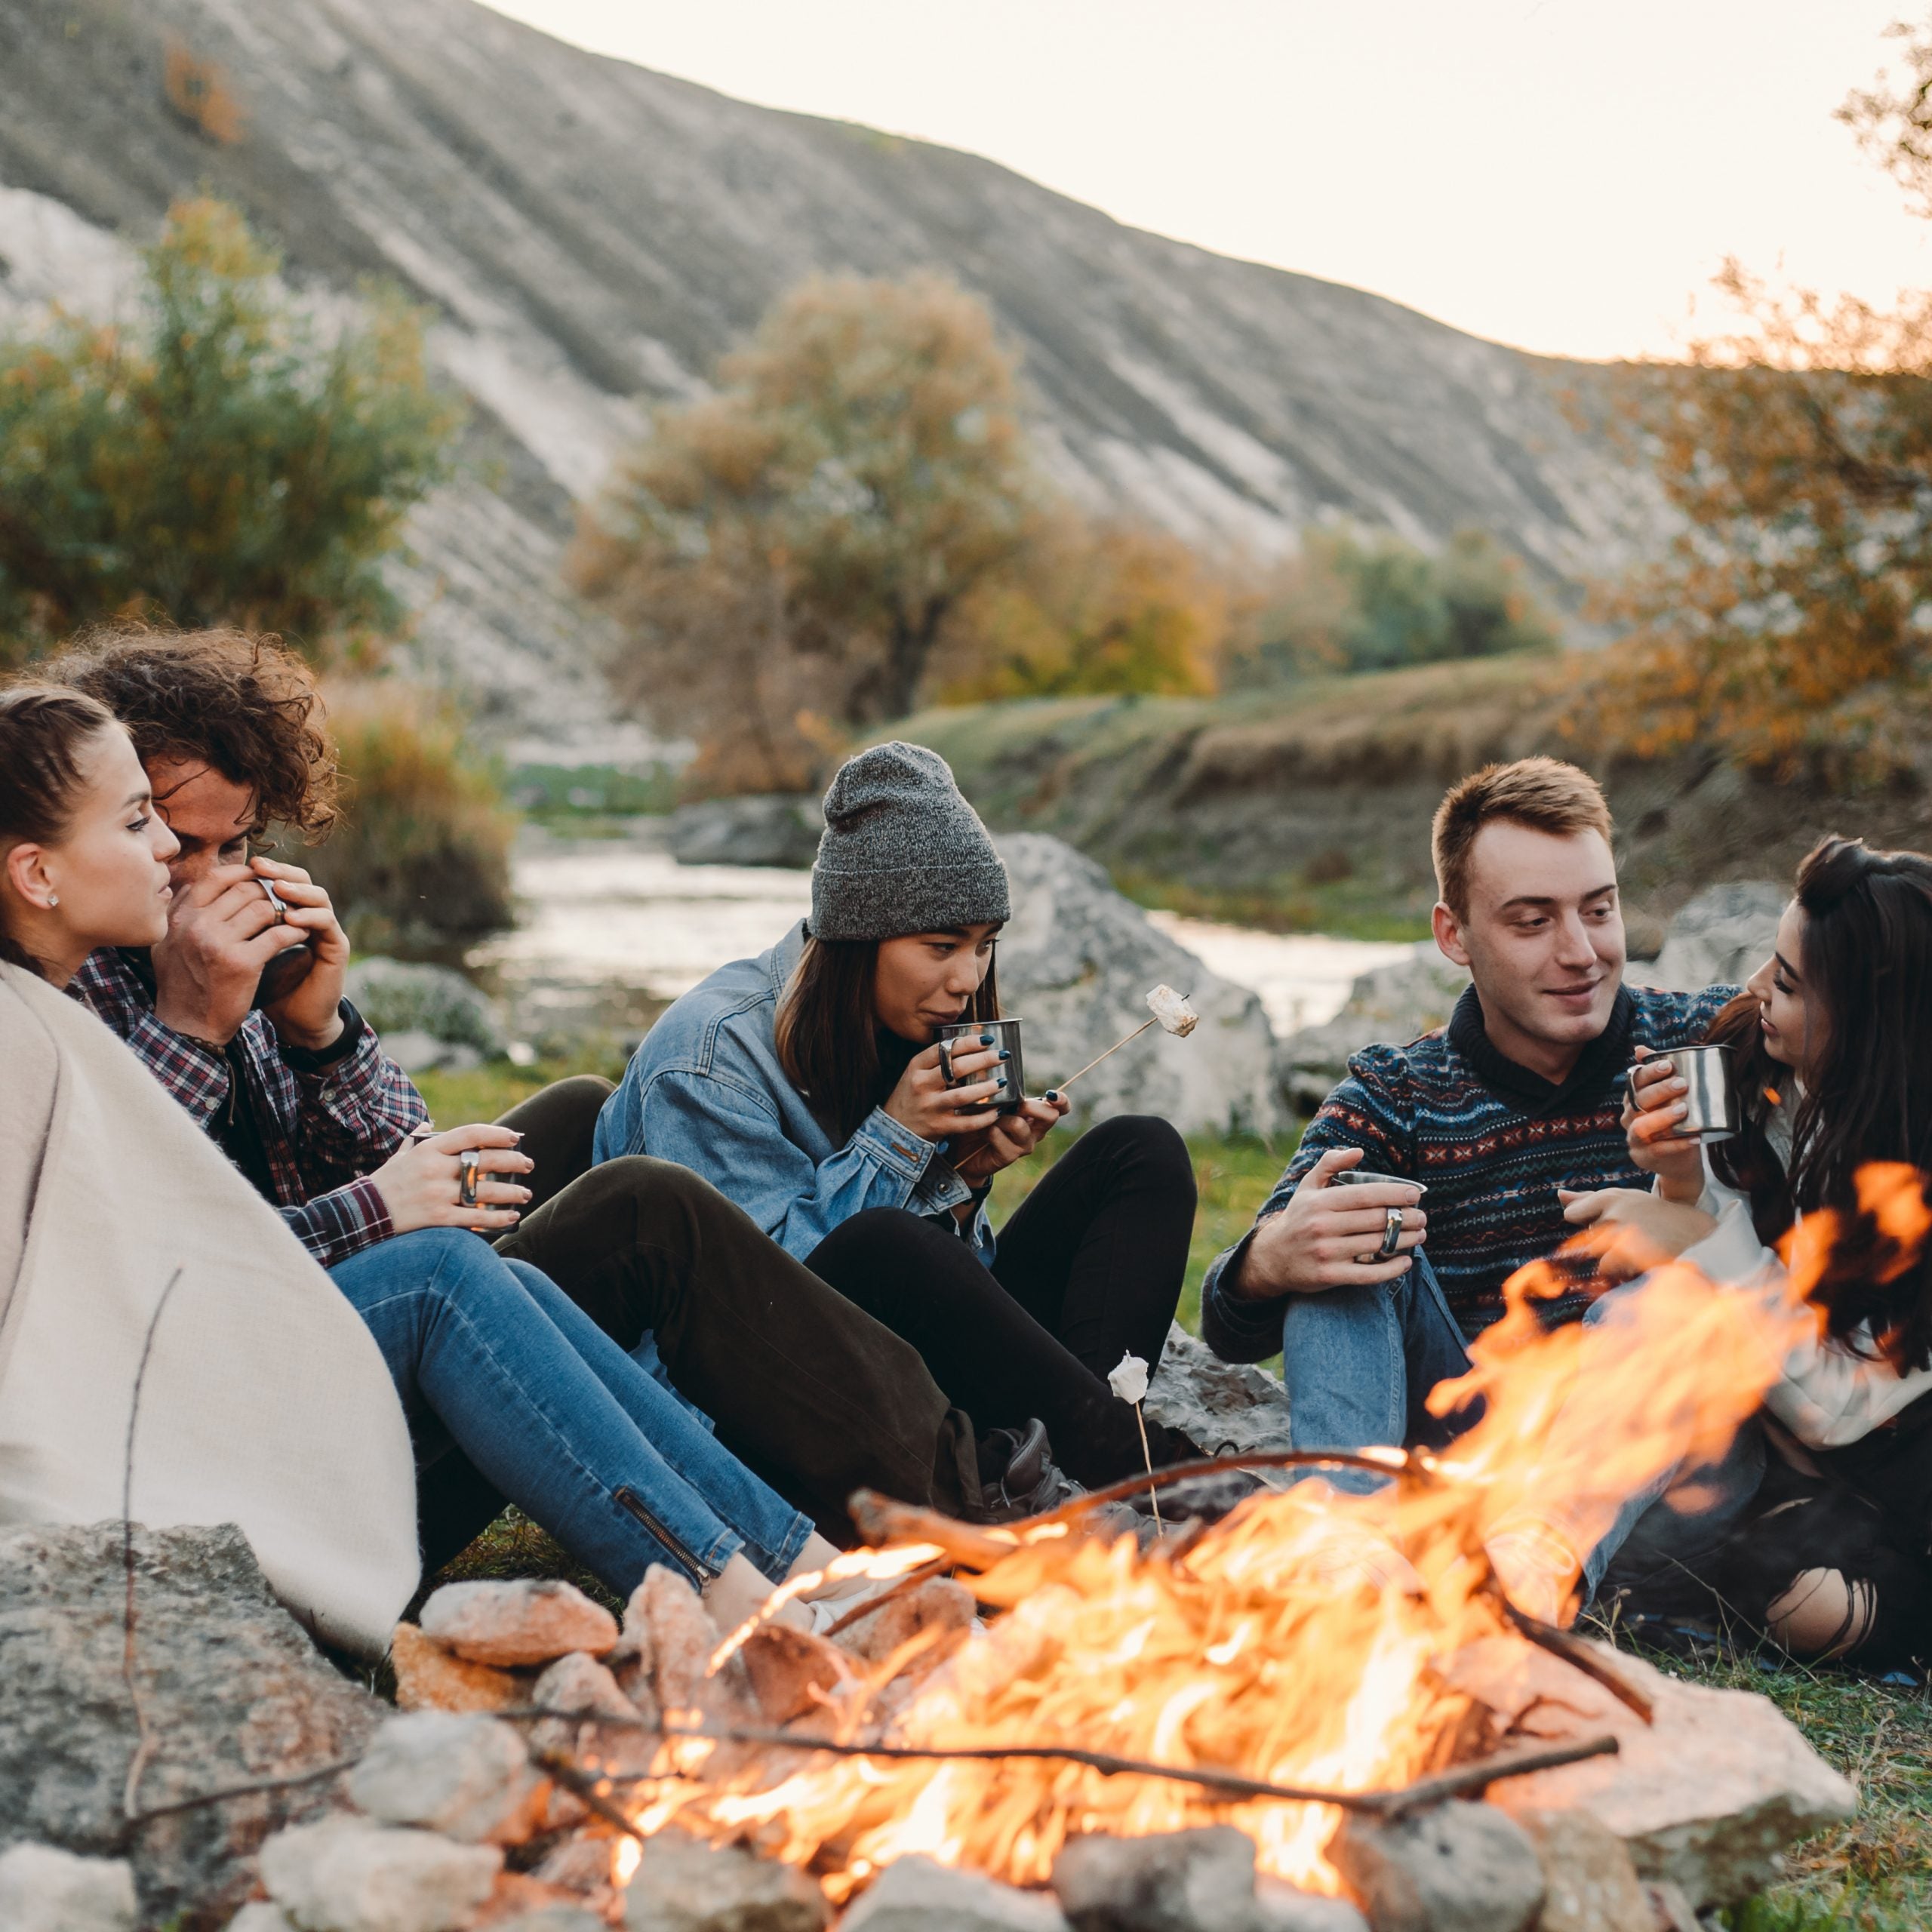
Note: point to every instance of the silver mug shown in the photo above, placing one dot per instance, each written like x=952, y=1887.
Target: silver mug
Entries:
x=1006, y=1034
x=1710, y=1105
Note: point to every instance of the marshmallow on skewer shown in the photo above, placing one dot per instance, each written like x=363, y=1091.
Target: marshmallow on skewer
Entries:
x=1173, y=1011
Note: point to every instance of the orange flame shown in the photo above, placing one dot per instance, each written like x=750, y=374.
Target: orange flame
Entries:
x=1305, y=1639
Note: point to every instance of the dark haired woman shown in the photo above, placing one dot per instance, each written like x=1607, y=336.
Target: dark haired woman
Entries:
x=808, y=1085
x=486, y=1354
x=1815, y=1528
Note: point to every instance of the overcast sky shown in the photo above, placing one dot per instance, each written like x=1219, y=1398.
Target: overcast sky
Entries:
x=1562, y=175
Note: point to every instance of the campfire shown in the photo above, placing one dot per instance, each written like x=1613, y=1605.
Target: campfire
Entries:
x=1310, y=1657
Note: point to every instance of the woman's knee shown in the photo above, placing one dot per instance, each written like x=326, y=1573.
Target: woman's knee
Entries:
x=1152, y=1145
x=1823, y=1614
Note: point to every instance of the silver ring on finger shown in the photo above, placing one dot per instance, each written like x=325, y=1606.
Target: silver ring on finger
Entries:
x=275, y=900
x=1391, y=1235
x=469, y=1163
x=945, y=1062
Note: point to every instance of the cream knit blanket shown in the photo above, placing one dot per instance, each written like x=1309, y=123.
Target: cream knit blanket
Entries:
x=265, y=1401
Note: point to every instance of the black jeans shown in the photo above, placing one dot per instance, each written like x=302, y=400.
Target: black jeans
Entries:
x=1090, y=1269
x=806, y=1389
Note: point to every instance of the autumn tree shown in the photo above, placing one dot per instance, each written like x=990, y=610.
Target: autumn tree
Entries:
x=1097, y=606
x=1786, y=627
x=788, y=555
x=223, y=458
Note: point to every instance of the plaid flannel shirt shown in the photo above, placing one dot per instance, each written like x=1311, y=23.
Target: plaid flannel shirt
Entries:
x=326, y=1120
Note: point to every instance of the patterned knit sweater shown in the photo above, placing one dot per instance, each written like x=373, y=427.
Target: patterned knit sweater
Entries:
x=1492, y=1141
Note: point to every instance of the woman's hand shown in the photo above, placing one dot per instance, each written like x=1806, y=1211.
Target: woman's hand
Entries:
x=1633, y=1231
x=923, y=1104
x=420, y=1184
x=1011, y=1138
x=1677, y=1164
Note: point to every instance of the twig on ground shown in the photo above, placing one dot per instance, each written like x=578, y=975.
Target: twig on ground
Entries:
x=144, y=1740
x=582, y=1785
x=223, y=1795
x=879, y=1599
x=1575, y=1653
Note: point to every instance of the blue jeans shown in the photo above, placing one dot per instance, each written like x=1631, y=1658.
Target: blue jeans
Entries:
x=1357, y=1364
x=491, y=1358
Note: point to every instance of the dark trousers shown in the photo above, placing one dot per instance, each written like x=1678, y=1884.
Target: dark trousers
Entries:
x=808, y=1390
x=1090, y=1269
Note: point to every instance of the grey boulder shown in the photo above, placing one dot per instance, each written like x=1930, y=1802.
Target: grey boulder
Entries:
x=1077, y=960
x=1389, y=1007
x=1719, y=938
x=919, y=1895
x=1199, y=1881
x=233, y=1691
x=1227, y=1407
x=43, y=1889
x=773, y=828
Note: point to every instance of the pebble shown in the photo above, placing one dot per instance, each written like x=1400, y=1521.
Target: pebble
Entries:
x=1199, y=1881
x=1457, y=1867
x=681, y=1885
x=918, y=1895
x=464, y=1774
x=429, y=1679
x=1592, y=1887
x=344, y=1875
x=531, y=1620
x=43, y=1889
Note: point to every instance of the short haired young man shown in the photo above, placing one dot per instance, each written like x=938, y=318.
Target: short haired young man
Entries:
x=802, y=1383
x=1520, y=1095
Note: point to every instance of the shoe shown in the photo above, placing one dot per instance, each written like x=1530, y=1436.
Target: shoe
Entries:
x=1018, y=1476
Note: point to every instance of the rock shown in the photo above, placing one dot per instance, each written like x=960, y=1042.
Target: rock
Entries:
x=551, y=1918
x=1076, y=962
x=939, y=1603
x=578, y=1685
x=44, y=1889
x=682, y=1639
x=233, y=1690
x=531, y=1621
x=429, y=1016
x=794, y=1673
x=465, y=1775
x=579, y=1864
x=1720, y=937
x=262, y=1916
x=1704, y=1798
x=918, y=1895
x=1227, y=1408
x=346, y=1875
x=1456, y=1867
x=681, y=1885
x=772, y=829
x=1589, y=1884
x=1199, y=1881
x=429, y=1679
x=1389, y=1007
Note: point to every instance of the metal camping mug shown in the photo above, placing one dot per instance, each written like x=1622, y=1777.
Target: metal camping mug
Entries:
x=1710, y=1106
x=1006, y=1034
x=1392, y=1235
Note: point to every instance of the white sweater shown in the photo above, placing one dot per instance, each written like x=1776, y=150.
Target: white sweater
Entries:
x=1827, y=1393
x=266, y=1401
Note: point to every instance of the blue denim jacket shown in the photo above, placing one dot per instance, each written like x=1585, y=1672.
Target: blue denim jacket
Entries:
x=706, y=1090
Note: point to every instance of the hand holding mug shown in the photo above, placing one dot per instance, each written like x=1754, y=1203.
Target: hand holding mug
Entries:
x=922, y=1102
x=1011, y=1138
x=1655, y=1103
x=1335, y=1234
x=423, y=1184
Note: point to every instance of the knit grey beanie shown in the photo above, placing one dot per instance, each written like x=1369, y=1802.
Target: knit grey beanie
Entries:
x=903, y=852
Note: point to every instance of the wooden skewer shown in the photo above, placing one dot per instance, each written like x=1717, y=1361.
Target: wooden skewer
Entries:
x=1098, y=1058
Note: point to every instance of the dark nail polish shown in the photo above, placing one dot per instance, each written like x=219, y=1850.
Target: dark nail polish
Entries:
x=1004, y=1054
x=1052, y=1092
x=985, y=1039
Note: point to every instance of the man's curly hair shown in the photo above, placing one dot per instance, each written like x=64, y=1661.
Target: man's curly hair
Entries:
x=245, y=704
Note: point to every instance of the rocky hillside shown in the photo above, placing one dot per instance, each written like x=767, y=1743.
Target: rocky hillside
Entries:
x=591, y=234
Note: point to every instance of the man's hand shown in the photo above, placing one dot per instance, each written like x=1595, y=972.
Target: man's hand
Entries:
x=1631, y=1232
x=1011, y=1138
x=1650, y=1125
x=310, y=1016
x=221, y=932
x=421, y=1184
x=1326, y=1236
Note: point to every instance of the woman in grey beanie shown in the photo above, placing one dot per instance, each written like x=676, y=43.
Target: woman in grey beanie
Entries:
x=807, y=1085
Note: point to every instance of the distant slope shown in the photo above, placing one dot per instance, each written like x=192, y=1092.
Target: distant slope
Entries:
x=590, y=233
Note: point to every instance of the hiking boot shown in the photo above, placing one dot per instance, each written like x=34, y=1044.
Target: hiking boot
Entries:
x=1018, y=1476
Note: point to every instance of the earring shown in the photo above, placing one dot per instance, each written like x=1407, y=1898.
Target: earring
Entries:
x=54, y=899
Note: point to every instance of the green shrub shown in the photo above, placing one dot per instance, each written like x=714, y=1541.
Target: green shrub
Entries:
x=419, y=865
